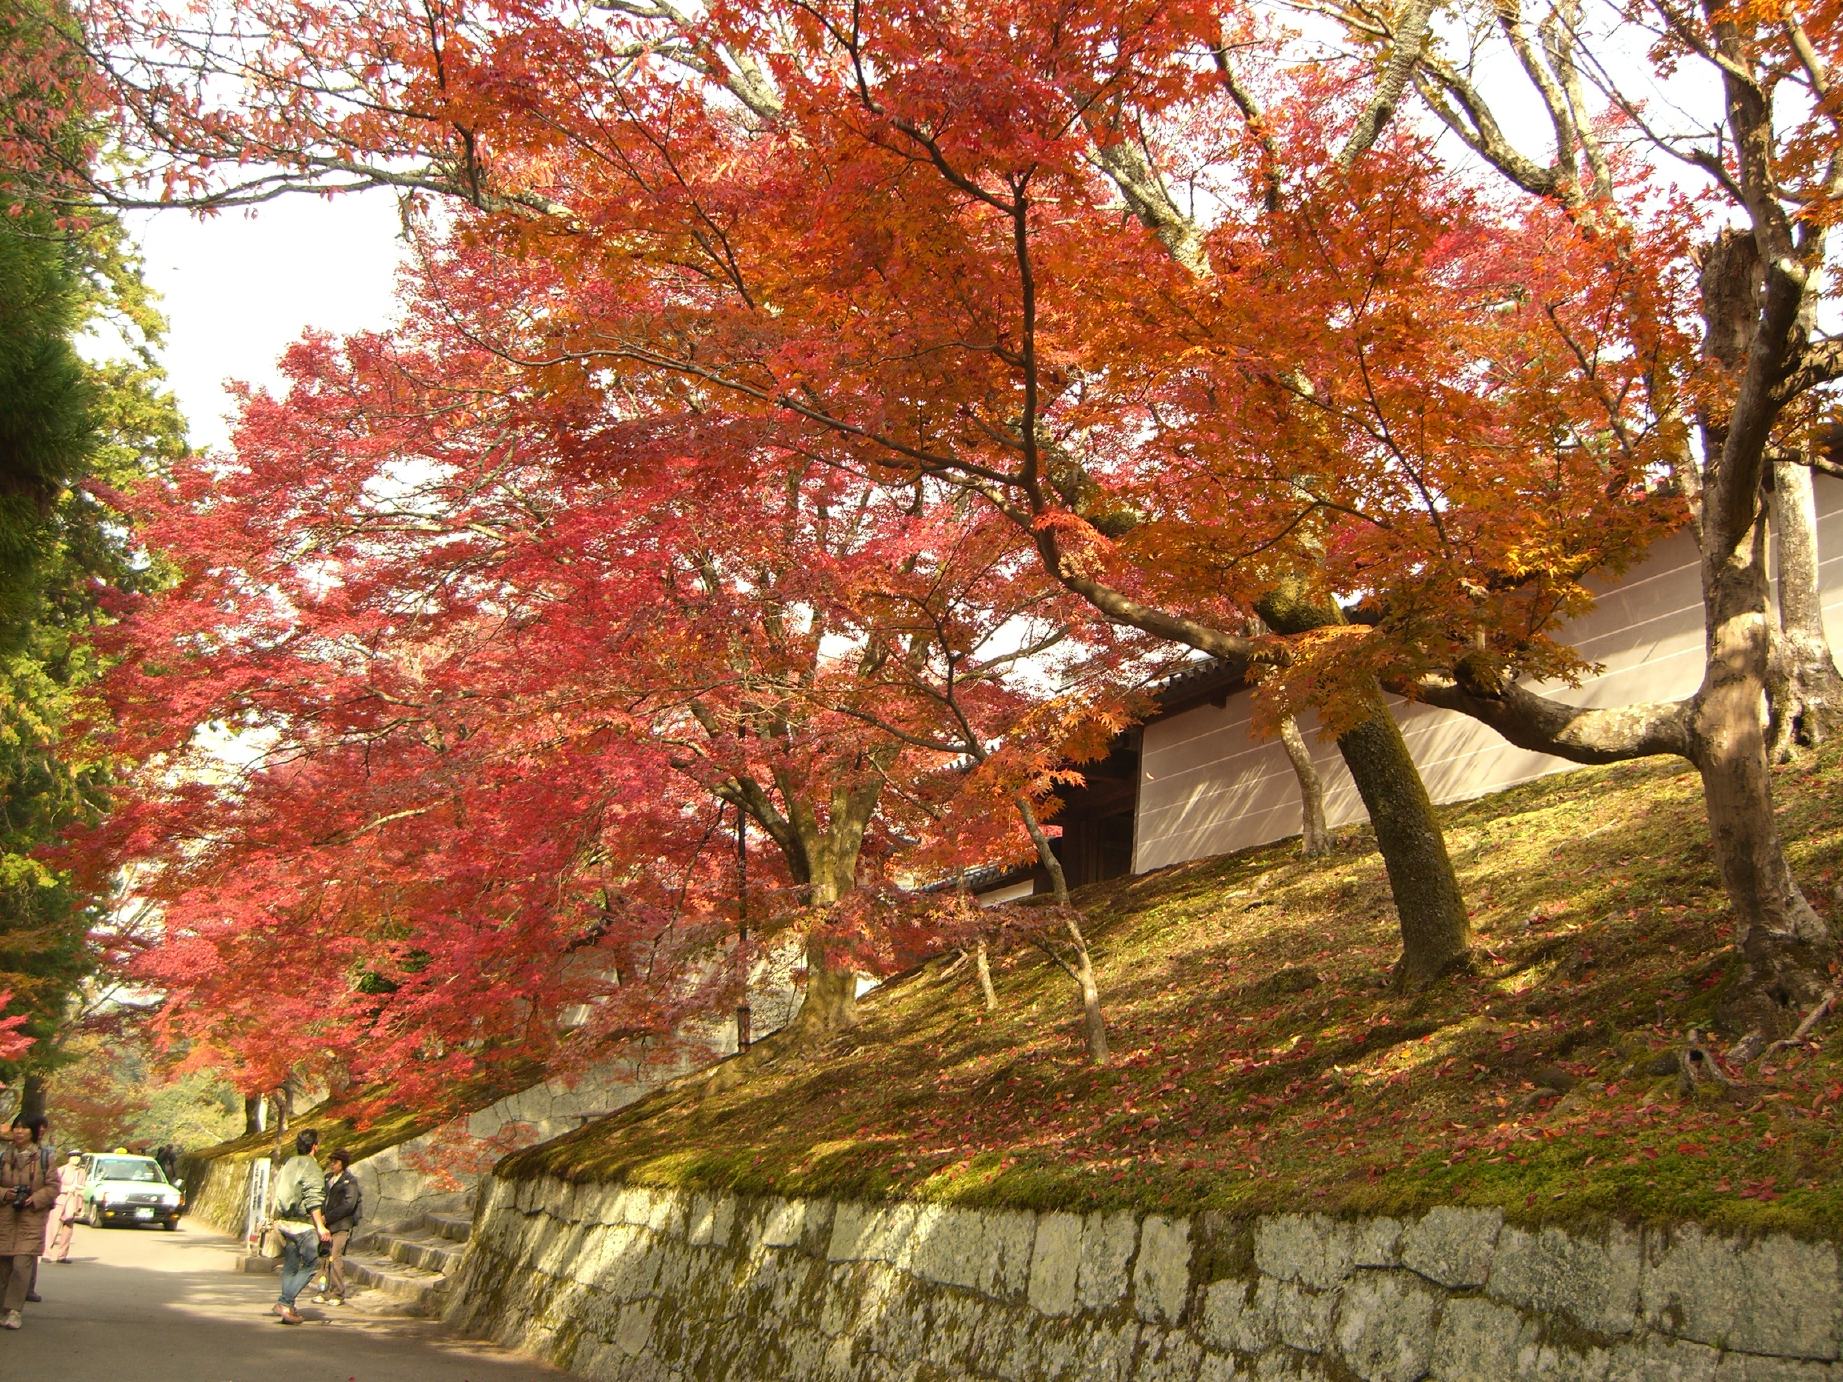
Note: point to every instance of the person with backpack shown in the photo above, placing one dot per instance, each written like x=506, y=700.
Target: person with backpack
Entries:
x=343, y=1209
x=27, y=1192
x=300, y=1191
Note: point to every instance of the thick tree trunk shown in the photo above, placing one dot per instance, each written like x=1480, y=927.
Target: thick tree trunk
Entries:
x=1804, y=690
x=830, y=1003
x=31, y=1093
x=1436, y=934
x=822, y=857
x=1784, y=946
x=1314, y=839
x=252, y=1114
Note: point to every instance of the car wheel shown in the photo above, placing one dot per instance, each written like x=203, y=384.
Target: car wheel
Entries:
x=170, y=1225
x=95, y=1219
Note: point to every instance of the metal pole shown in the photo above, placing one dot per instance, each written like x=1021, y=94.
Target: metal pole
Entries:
x=742, y=925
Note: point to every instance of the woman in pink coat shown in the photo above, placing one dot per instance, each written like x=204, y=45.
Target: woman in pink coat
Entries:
x=65, y=1213
x=27, y=1192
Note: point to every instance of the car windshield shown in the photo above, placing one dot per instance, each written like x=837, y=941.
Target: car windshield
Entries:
x=121, y=1168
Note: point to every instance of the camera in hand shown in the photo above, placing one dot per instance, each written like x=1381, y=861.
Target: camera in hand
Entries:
x=21, y=1193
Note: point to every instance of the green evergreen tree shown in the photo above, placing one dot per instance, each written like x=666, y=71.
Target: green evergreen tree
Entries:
x=71, y=433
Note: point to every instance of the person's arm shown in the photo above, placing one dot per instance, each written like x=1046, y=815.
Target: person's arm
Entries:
x=314, y=1199
x=47, y=1193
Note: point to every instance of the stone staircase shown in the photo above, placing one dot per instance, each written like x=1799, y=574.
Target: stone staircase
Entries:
x=405, y=1270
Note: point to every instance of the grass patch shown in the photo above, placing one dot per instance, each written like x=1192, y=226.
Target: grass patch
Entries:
x=1263, y=1062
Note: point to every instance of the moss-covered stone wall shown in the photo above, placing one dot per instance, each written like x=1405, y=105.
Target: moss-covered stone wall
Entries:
x=218, y=1188
x=626, y=1283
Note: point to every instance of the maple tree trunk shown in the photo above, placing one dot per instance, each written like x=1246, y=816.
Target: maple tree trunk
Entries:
x=1436, y=934
x=982, y=966
x=1784, y=946
x=1314, y=839
x=830, y=1004
x=1081, y=969
x=1805, y=692
x=1094, y=1026
x=252, y=1114
x=824, y=862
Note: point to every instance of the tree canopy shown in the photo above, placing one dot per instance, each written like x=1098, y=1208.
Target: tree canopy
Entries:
x=1205, y=329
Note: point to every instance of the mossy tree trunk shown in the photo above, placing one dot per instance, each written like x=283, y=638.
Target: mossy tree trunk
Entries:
x=1805, y=692
x=1436, y=934
x=1314, y=838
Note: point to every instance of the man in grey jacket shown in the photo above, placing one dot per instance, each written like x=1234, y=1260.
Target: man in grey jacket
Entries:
x=300, y=1191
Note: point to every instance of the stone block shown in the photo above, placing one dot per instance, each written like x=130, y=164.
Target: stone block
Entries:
x=701, y=1221
x=1753, y=1367
x=1014, y=1238
x=1480, y=1338
x=816, y=1228
x=1776, y=1295
x=1166, y=1355
x=871, y=1233
x=1107, y=1243
x=1284, y=1366
x=1593, y=1280
x=1476, y=1338
x=1300, y=1317
x=1312, y=1249
x=1452, y=1246
x=1216, y=1367
x=1232, y=1318
x=634, y=1327
x=723, y=1223
x=1107, y=1355
x=782, y=1223
x=665, y=1214
x=1054, y=1259
x=954, y=1247
x=1161, y=1272
x=1377, y=1242
x=1385, y=1325
x=1653, y=1359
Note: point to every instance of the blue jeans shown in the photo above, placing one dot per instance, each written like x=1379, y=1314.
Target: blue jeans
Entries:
x=300, y=1258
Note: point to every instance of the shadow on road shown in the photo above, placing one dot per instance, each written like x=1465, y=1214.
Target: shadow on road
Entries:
x=150, y=1306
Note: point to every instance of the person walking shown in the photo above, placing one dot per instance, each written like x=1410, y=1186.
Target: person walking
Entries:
x=300, y=1191
x=344, y=1207
x=27, y=1193
x=68, y=1209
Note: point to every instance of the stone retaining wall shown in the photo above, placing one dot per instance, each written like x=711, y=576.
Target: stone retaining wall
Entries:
x=623, y=1283
x=217, y=1189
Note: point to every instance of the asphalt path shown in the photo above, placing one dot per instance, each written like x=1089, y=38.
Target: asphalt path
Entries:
x=145, y=1305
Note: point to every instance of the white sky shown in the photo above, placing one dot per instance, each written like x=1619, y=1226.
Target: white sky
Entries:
x=238, y=288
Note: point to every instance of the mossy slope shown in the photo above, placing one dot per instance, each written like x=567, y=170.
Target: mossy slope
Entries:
x=1264, y=1063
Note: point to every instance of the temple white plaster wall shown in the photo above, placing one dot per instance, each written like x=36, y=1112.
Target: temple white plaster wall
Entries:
x=1207, y=786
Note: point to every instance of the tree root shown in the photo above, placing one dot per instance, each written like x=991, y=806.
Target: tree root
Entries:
x=1824, y=1007
x=1696, y=1065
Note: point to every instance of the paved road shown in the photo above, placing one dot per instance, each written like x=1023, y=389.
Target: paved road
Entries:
x=144, y=1305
